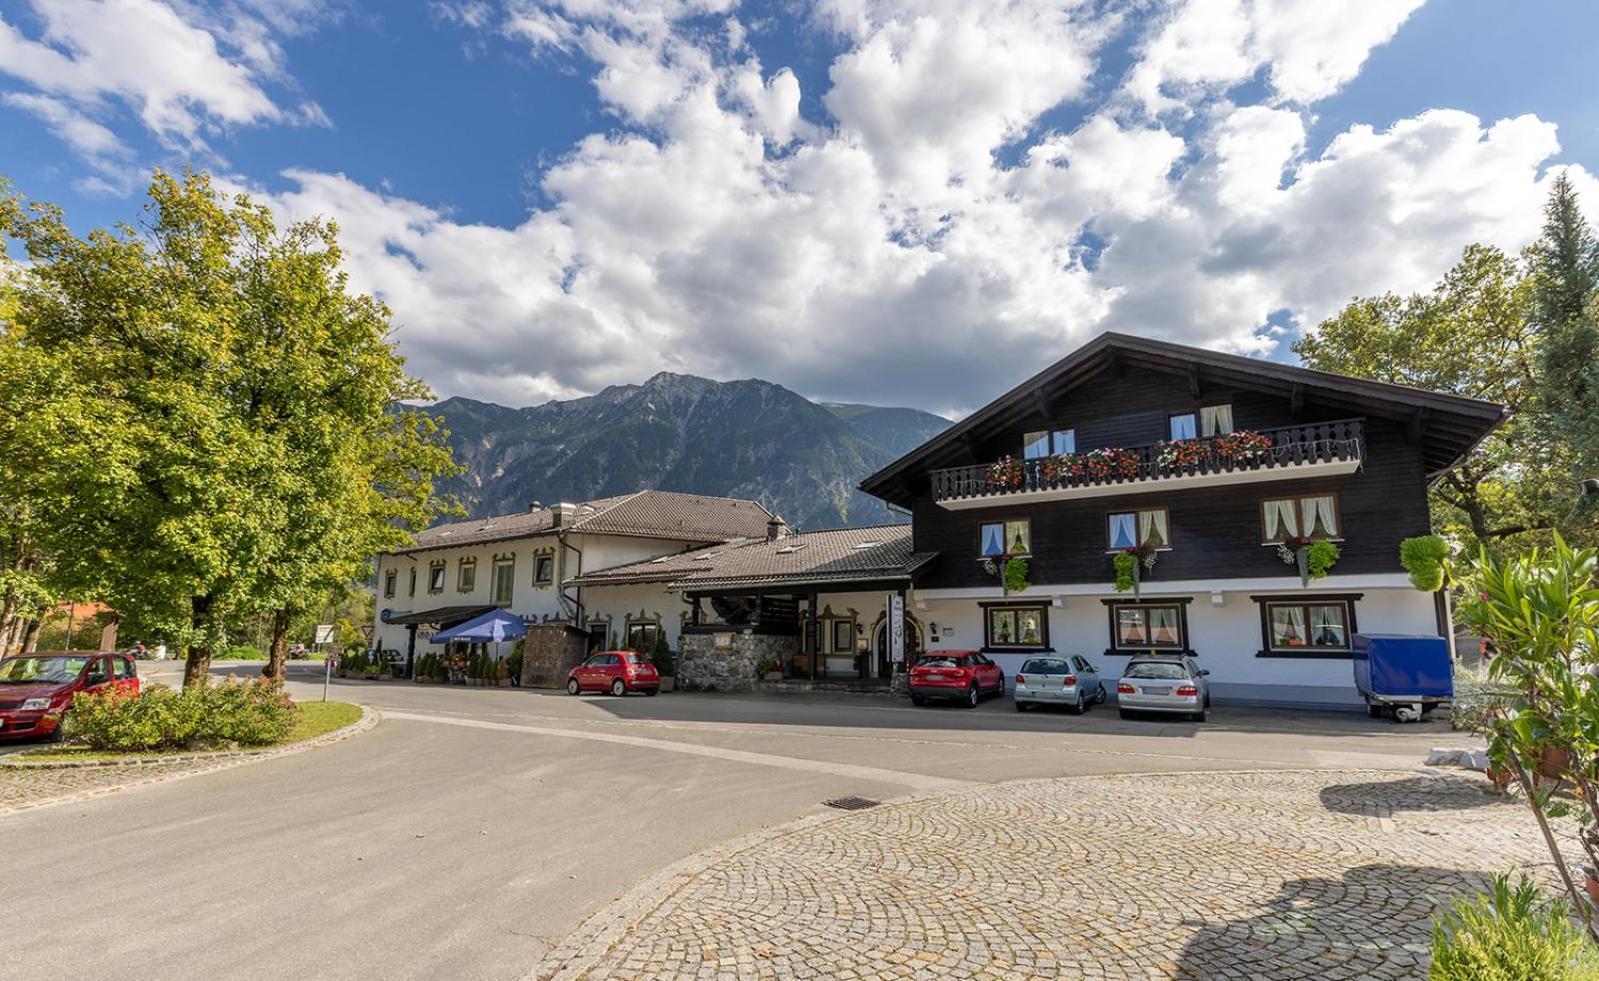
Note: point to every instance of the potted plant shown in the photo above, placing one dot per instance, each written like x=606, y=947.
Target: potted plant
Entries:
x=768, y=670
x=502, y=673
x=1181, y=454
x=1423, y=557
x=1131, y=564
x=661, y=657
x=1314, y=557
x=1241, y=446
x=1015, y=575
x=514, y=665
x=1007, y=472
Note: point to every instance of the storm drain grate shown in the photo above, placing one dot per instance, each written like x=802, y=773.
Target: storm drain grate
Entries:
x=851, y=803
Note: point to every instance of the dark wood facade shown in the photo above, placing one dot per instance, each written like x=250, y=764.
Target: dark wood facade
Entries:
x=1215, y=530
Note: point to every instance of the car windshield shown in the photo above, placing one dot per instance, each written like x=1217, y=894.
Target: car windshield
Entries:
x=1159, y=670
x=941, y=662
x=1046, y=665
x=40, y=670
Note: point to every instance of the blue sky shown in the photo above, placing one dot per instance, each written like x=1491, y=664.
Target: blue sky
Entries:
x=555, y=196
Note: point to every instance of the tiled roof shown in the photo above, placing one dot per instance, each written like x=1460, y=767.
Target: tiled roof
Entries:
x=835, y=556
x=642, y=514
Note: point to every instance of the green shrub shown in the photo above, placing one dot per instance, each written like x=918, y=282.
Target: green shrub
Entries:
x=513, y=665
x=1320, y=556
x=1016, y=576
x=1512, y=933
x=1423, y=557
x=243, y=652
x=248, y=713
x=661, y=656
x=1126, y=565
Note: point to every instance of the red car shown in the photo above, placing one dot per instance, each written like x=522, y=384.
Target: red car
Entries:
x=36, y=689
x=617, y=672
x=962, y=675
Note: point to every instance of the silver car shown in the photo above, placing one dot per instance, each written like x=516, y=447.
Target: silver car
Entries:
x=1163, y=683
x=1069, y=681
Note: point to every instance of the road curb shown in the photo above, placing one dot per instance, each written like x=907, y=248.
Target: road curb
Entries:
x=585, y=945
x=222, y=761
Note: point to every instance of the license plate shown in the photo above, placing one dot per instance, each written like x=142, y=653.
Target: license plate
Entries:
x=934, y=676
x=1157, y=691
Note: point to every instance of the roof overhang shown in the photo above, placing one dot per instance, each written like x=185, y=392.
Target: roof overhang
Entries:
x=443, y=616
x=1447, y=426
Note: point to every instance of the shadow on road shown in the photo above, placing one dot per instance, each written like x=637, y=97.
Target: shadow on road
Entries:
x=1413, y=794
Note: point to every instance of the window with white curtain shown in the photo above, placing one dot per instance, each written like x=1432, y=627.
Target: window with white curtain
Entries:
x=1150, y=527
x=1184, y=426
x=1215, y=420
x=1049, y=441
x=1310, y=516
x=996, y=538
x=1148, y=625
x=1322, y=626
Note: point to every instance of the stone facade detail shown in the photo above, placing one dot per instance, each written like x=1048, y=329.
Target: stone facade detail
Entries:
x=727, y=661
x=549, y=651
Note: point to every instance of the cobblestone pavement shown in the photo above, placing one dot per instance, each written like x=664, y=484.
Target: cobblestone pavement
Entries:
x=1273, y=875
x=22, y=787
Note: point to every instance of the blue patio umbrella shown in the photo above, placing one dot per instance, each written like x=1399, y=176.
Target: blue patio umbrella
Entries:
x=491, y=627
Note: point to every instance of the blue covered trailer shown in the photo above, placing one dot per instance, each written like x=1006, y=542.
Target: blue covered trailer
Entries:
x=1403, y=676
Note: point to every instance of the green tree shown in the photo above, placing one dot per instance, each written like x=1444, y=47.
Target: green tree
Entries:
x=210, y=414
x=1565, y=274
x=1471, y=335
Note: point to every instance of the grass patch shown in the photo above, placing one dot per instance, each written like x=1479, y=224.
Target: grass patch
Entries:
x=313, y=719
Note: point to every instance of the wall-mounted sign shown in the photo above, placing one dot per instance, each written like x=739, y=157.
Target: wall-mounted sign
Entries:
x=896, y=628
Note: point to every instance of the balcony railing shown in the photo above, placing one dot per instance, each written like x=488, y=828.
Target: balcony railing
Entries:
x=1266, y=454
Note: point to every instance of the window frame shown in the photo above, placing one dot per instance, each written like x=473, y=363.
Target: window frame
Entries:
x=1115, y=606
x=391, y=582
x=466, y=574
x=1112, y=550
x=990, y=644
x=1351, y=626
x=1171, y=434
x=1005, y=524
x=507, y=563
x=647, y=627
x=833, y=646
x=437, y=570
x=1299, y=499
x=1052, y=440
x=413, y=580
x=1199, y=420
x=538, y=564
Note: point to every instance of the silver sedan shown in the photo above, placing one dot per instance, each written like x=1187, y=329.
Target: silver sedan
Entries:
x=1163, y=684
x=1069, y=681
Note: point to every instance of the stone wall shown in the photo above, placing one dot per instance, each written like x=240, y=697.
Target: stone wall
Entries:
x=728, y=661
x=549, y=652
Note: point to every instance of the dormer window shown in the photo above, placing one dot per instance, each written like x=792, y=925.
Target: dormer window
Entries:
x=1048, y=442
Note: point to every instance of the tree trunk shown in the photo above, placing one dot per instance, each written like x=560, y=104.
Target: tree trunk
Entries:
x=278, y=651
x=197, y=661
x=30, y=635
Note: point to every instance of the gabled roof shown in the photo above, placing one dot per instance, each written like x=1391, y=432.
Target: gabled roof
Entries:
x=833, y=557
x=642, y=514
x=1451, y=424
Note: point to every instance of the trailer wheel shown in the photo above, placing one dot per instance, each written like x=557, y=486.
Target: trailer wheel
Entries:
x=1374, y=710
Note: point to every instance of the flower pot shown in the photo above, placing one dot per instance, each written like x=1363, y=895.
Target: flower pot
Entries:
x=1501, y=778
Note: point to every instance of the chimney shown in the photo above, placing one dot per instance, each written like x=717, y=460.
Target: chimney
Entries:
x=563, y=514
x=534, y=506
x=776, y=528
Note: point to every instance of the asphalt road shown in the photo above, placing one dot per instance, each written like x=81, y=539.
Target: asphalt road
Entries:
x=475, y=827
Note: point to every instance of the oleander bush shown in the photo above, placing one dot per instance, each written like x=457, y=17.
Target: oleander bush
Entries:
x=1511, y=933
x=235, y=713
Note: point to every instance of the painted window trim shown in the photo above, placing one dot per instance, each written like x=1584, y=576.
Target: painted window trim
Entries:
x=502, y=562
x=1181, y=602
x=1260, y=514
x=391, y=583
x=1134, y=512
x=438, y=569
x=538, y=561
x=463, y=566
x=989, y=644
x=1265, y=600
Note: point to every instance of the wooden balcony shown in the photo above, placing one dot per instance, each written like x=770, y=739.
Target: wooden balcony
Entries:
x=1313, y=450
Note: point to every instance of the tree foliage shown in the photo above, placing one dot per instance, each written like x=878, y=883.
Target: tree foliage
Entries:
x=1565, y=313
x=208, y=412
x=1473, y=334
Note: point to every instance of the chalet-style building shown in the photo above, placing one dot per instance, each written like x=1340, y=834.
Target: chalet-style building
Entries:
x=525, y=563
x=1213, y=472
x=1162, y=498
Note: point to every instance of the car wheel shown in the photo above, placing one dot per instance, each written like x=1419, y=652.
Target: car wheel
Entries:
x=1200, y=715
x=1103, y=695
x=572, y=687
x=1021, y=706
x=652, y=691
x=918, y=700
x=1124, y=713
x=1078, y=706
x=618, y=688
x=972, y=696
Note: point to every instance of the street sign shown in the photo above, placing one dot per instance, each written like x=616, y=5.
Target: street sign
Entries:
x=896, y=628
x=324, y=633
x=366, y=631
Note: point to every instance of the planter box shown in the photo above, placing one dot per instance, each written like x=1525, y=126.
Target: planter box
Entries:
x=668, y=683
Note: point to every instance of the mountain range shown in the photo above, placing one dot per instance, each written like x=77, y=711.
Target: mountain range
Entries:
x=751, y=439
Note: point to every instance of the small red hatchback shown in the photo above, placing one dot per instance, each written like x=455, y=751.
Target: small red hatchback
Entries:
x=36, y=689
x=617, y=672
x=962, y=675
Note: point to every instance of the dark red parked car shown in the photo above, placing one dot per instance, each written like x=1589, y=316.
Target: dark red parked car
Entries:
x=963, y=675
x=36, y=689
x=617, y=672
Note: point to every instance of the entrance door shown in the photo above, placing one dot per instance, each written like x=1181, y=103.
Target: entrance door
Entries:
x=913, y=646
x=599, y=633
